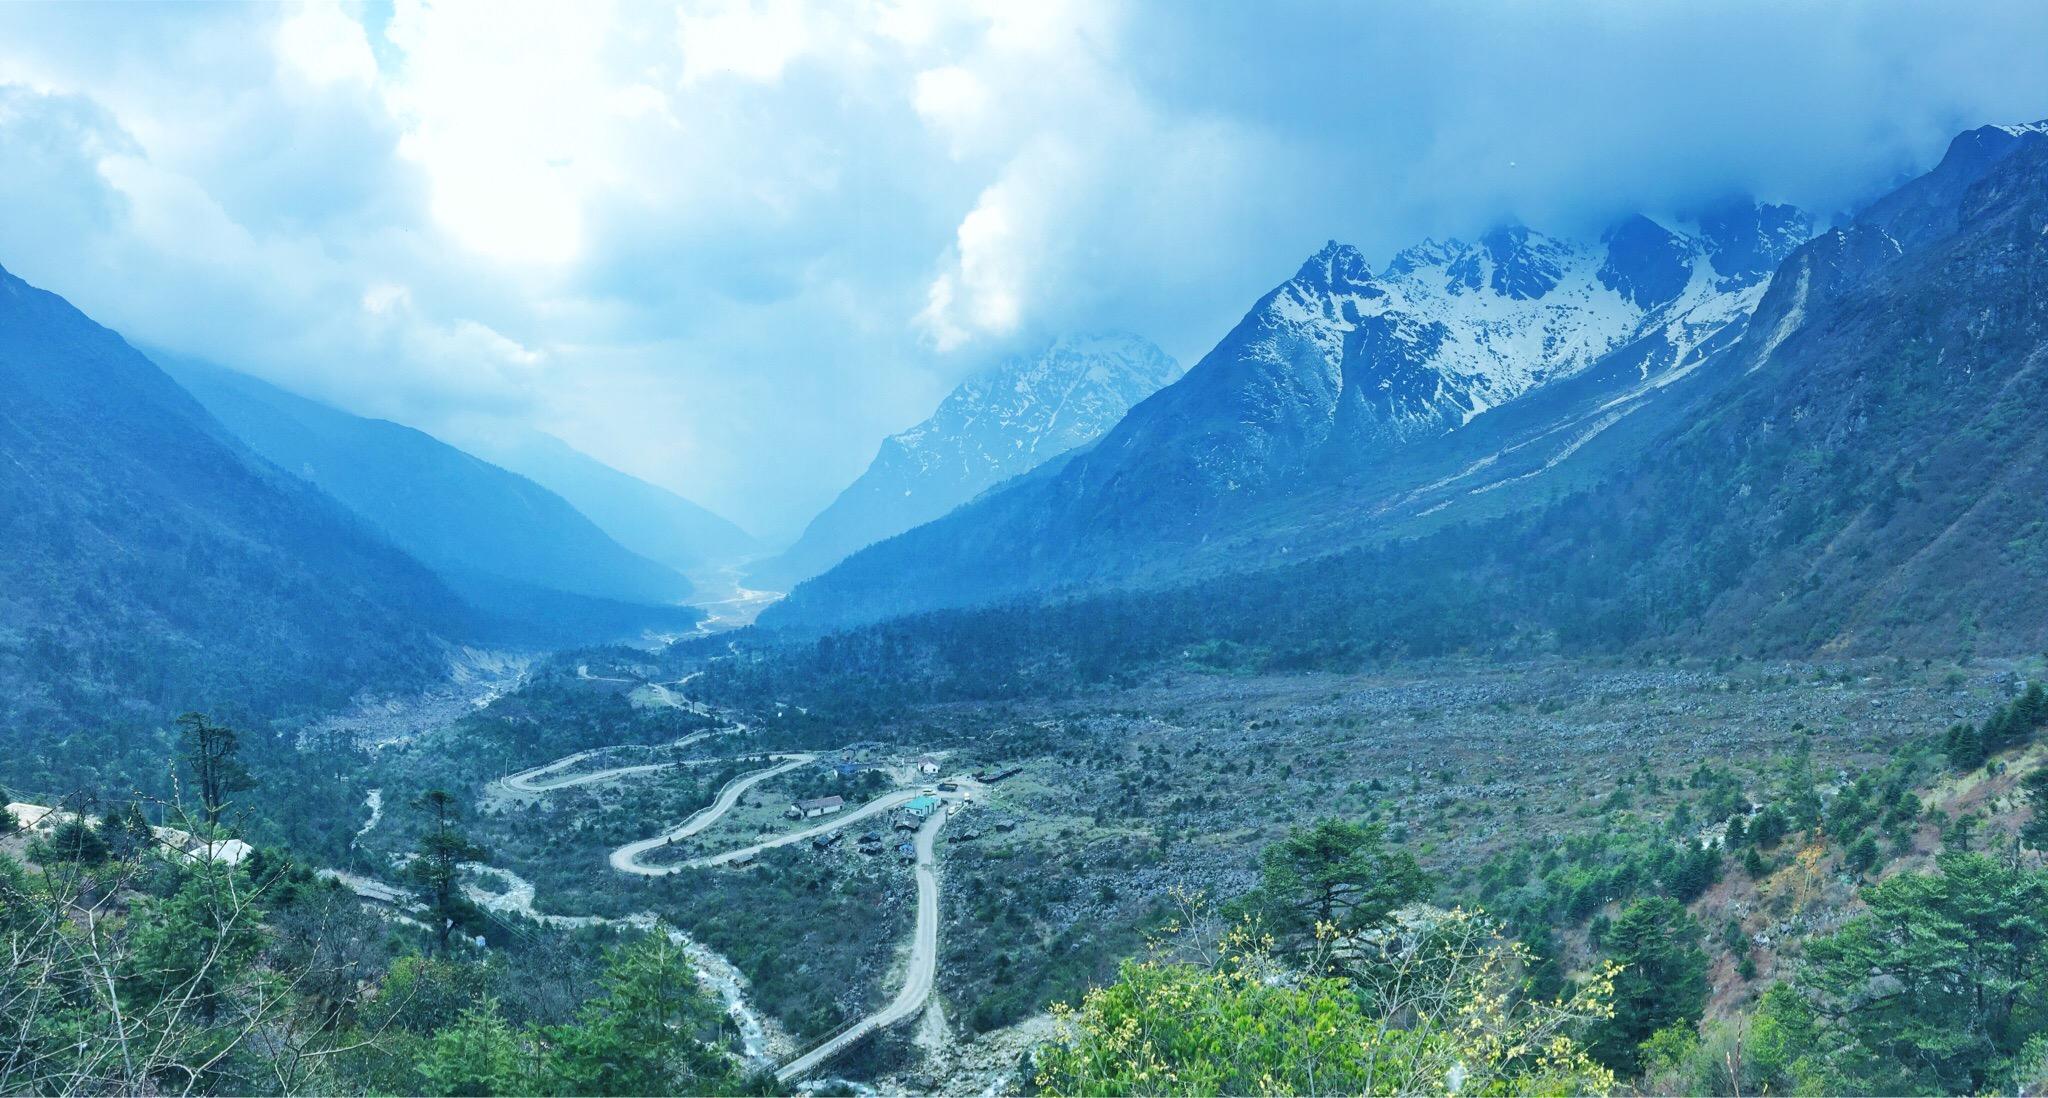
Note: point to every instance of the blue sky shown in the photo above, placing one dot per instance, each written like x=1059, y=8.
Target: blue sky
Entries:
x=727, y=246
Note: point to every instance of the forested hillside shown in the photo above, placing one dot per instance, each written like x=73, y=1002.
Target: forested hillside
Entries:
x=1856, y=483
x=538, y=569
x=154, y=564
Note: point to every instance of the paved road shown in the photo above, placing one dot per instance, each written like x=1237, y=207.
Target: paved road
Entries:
x=917, y=983
x=626, y=859
x=832, y=823
x=535, y=780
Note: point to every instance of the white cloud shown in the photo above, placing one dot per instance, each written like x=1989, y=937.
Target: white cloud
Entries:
x=321, y=42
x=751, y=39
x=495, y=100
x=954, y=103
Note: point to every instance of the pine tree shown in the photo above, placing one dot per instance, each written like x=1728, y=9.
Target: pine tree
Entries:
x=127, y=831
x=480, y=1054
x=437, y=864
x=1663, y=981
x=1339, y=875
x=2034, y=832
x=641, y=1034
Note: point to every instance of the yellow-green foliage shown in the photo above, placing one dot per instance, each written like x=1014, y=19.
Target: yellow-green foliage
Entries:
x=1435, y=1011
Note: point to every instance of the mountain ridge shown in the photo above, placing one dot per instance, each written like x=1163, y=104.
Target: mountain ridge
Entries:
x=1000, y=423
x=156, y=563
x=1331, y=378
x=643, y=517
x=1855, y=474
x=509, y=546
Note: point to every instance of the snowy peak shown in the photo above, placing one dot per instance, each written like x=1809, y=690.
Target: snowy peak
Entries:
x=1647, y=264
x=1524, y=265
x=1046, y=403
x=1018, y=414
x=1509, y=261
x=1746, y=241
x=1336, y=365
x=1973, y=150
x=1337, y=268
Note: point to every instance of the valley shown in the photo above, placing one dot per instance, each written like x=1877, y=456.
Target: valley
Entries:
x=1114, y=801
x=1601, y=653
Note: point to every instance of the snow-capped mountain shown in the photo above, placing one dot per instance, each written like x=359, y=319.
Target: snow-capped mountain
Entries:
x=1339, y=365
x=1858, y=472
x=1019, y=414
x=1357, y=390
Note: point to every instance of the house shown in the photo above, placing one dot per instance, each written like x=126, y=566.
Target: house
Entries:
x=815, y=807
x=904, y=823
x=922, y=806
x=827, y=842
x=847, y=770
x=928, y=765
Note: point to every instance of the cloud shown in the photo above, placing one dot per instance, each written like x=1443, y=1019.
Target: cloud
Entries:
x=728, y=245
x=325, y=46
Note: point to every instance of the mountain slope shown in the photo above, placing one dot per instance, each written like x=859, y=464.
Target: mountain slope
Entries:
x=997, y=425
x=152, y=563
x=1345, y=401
x=649, y=520
x=501, y=541
x=1859, y=473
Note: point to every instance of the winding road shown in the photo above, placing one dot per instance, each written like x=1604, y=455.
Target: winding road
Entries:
x=534, y=781
x=917, y=983
x=879, y=805
x=922, y=970
x=626, y=859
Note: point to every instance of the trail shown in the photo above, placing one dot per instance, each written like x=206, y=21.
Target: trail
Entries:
x=917, y=982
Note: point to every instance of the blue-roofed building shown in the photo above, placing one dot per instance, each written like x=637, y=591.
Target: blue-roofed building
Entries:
x=923, y=806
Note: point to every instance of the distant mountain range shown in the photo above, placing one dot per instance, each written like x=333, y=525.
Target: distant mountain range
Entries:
x=1342, y=386
x=149, y=560
x=506, y=545
x=647, y=519
x=1718, y=435
x=1008, y=420
x=1525, y=441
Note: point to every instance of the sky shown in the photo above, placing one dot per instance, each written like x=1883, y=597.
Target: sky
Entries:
x=729, y=245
